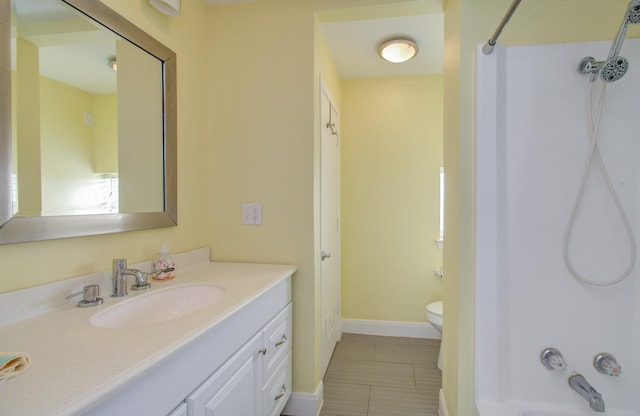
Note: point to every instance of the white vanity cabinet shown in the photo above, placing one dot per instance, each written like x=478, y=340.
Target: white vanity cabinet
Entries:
x=241, y=366
x=231, y=358
x=255, y=381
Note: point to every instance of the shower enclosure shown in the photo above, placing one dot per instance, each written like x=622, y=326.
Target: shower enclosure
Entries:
x=532, y=141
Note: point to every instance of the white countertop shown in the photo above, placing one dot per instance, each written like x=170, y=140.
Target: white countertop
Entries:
x=74, y=364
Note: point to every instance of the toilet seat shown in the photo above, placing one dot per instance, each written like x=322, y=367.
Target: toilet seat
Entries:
x=434, y=314
x=435, y=308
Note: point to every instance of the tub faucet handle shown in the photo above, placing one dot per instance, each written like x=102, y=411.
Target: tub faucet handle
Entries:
x=605, y=363
x=553, y=359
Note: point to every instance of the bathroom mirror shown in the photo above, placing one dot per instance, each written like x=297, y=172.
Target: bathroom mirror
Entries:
x=87, y=123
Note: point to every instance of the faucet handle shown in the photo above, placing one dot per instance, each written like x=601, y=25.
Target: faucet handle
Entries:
x=553, y=359
x=143, y=282
x=91, y=298
x=605, y=363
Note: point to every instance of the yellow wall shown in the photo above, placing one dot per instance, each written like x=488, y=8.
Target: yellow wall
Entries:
x=391, y=154
x=467, y=24
x=262, y=150
x=27, y=110
x=105, y=133
x=66, y=147
x=37, y=263
x=139, y=98
x=264, y=129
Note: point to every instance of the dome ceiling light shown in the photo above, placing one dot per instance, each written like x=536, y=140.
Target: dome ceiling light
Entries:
x=398, y=50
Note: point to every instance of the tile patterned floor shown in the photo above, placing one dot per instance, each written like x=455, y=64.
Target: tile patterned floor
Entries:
x=382, y=376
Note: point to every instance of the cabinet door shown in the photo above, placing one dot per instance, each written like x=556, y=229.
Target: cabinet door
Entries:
x=181, y=410
x=234, y=389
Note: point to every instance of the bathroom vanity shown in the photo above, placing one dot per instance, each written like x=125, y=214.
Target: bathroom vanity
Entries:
x=231, y=357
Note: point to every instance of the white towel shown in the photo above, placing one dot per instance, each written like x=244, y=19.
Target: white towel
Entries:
x=13, y=364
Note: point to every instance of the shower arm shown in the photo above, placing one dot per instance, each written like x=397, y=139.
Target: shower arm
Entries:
x=617, y=44
x=491, y=43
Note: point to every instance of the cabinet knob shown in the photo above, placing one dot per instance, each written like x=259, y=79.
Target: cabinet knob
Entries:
x=262, y=351
x=283, y=391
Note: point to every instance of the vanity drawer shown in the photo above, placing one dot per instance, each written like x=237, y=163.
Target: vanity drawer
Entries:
x=277, y=390
x=277, y=340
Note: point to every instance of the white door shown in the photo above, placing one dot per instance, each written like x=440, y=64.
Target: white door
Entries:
x=330, y=227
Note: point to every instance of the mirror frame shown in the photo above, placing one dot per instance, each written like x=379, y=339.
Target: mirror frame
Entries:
x=25, y=229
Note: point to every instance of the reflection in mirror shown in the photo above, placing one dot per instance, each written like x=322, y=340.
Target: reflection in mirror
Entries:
x=92, y=115
x=73, y=108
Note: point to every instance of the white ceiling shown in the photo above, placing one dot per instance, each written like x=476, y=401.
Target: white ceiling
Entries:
x=71, y=50
x=353, y=45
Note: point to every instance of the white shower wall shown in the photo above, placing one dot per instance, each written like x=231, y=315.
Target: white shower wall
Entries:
x=532, y=140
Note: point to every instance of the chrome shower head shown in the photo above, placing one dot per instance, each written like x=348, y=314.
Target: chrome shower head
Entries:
x=608, y=71
x=632, y=16
x=615, y=66
x=614, y=69
x=633, y=12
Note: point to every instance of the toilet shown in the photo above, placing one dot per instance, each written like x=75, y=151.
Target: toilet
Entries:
x=434, y=316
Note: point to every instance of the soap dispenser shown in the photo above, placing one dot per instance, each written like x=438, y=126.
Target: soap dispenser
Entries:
x=164, y=266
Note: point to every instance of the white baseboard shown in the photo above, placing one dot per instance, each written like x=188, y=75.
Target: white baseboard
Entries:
x=305, y=404
x=390, y=328
x=442, y=405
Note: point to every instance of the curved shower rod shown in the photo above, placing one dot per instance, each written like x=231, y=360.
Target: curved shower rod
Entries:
x=488, y=47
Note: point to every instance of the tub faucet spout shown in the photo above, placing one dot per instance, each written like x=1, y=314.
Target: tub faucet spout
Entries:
x=578, y=383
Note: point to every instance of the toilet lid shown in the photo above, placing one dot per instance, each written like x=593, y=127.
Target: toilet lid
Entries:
x=435, y=308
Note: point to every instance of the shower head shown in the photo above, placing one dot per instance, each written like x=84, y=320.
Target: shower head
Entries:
x=614, y=69
x=632, y=16
x=615, y=66
x=608, y=71
x=633, y=12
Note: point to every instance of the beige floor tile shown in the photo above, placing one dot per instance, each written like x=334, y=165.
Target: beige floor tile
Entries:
x=387, y=401
x=371, y=372
x=382, y=376
x=345, y=399
x=354, y=351
x=413, y=354
x=428, y=378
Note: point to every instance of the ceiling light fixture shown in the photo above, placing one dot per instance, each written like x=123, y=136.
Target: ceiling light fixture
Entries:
x=398, y=50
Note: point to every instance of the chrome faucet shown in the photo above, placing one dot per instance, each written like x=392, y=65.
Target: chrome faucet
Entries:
x=119, y=278
x=578, y=383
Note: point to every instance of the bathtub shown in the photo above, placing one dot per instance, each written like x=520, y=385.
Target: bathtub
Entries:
x=524, y=408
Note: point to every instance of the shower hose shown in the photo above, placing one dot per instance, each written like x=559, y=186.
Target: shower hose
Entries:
x=594, y=153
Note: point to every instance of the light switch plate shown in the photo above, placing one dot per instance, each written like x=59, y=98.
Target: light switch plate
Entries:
x=252, y=214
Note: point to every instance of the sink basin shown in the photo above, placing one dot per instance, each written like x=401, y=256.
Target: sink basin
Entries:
x=159, y=306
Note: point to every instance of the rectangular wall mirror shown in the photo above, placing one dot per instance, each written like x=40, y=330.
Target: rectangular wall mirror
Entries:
x=87, y=123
